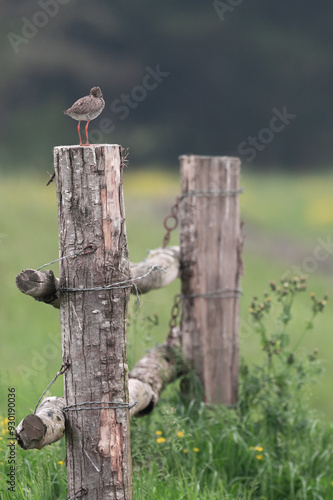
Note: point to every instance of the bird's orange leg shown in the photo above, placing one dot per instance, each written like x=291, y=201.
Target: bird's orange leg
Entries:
x=87, y=143
x=78, y=129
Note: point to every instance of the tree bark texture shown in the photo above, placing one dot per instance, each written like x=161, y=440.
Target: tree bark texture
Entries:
x=43, y=285
x=211, y=245
x=93, y=248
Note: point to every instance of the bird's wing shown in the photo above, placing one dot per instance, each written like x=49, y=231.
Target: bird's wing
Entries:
x=82, y=105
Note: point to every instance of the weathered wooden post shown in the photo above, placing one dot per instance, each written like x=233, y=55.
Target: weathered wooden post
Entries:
x=210, y=240
x=93, y=249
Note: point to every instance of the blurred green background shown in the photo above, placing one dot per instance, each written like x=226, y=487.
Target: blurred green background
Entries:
x=225, y=69
x=224, y=77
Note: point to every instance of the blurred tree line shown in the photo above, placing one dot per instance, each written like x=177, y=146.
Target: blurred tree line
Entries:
x=247, y=78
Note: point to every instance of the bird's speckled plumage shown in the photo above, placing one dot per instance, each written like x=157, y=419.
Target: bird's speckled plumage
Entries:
x=88, y=107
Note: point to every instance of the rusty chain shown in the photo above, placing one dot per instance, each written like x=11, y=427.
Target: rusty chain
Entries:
x=175, y=310
x=170, y=223
x=173, y=217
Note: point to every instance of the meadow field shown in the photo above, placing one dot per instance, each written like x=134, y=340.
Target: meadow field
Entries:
x=288, y=232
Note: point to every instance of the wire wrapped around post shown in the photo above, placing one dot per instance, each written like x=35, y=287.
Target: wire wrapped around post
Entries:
x=211, y=266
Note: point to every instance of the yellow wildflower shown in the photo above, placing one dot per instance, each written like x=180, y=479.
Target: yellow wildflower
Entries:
x=160, y=440
x=158, y=433
x=259, y=457
x=60, y=462
x=257, y=448
x=180, y=434
x=3, y=431
x=196, y=450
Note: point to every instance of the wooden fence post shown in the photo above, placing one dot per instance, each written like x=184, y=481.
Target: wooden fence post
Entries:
x=210, y=241
x=93, y=248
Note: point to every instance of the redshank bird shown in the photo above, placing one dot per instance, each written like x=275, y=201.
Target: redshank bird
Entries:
x=87, y=109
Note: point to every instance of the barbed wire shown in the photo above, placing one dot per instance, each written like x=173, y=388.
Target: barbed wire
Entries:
x=228, y=192
x=112, y=405
x=62, y=370
x=120, y=284
x=85, y=251
x=223, y=293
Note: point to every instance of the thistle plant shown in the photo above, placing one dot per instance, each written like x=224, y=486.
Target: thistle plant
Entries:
x=272, y=393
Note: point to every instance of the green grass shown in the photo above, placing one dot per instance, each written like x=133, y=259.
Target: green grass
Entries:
x=289, y=204
x=295, y=210
x=219, y=455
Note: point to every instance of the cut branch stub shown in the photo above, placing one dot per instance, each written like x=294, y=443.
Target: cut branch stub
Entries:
x=41, y=285
x=44, y=427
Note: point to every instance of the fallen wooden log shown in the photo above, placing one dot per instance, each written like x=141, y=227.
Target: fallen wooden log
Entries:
x=150, y=375
x=153, y=372
x=43, y=285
